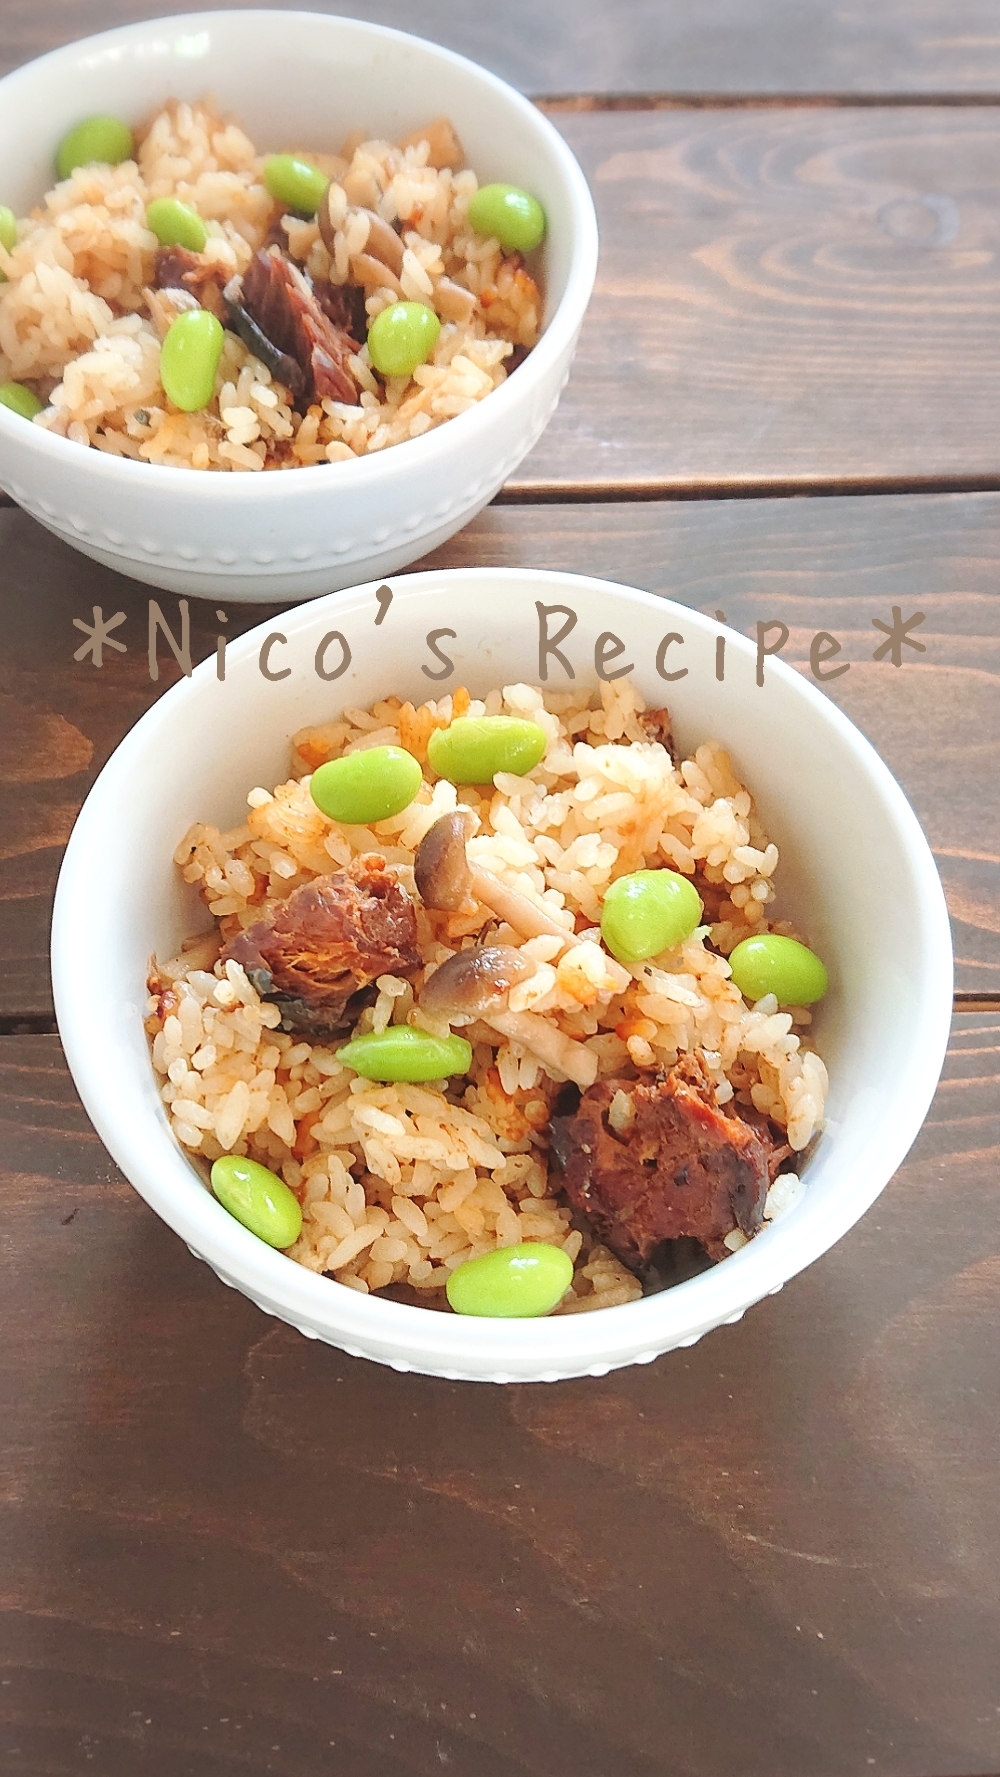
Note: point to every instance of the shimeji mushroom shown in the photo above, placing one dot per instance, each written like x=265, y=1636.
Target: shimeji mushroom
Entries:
x=475, y=983
x=377, y=266
x=446, y=880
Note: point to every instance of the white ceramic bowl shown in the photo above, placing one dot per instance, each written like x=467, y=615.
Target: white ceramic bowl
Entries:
x=855, y=870
x=306, y=79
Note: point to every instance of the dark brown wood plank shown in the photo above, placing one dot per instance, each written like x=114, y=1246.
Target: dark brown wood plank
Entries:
x=226, y=1549
x=785, y=298
x=814, y=564
x=638, y=46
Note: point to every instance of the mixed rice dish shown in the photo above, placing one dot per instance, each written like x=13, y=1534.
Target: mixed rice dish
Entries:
x=644, y=1116
x=276, y=302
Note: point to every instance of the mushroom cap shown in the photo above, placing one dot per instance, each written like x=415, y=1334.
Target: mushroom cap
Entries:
x=440, y=868
x=475, y=982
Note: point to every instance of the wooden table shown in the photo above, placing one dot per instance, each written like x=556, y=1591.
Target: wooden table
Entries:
x=227, y=1551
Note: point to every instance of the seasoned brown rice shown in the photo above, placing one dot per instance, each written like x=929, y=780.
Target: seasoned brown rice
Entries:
x=401, y=1183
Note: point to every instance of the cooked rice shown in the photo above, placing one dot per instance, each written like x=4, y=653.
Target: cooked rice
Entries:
x=401, y=1183
x=81, y=323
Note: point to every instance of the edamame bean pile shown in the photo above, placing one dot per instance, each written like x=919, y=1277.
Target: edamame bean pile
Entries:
x=581, y=906
x=120, y=293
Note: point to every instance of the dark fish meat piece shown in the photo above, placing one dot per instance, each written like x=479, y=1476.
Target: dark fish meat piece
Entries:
x=280, y=302
x=317, y=952
x=666, y=1162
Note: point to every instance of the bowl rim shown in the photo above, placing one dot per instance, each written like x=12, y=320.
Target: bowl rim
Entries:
x=573, y=1345
x=354, y=475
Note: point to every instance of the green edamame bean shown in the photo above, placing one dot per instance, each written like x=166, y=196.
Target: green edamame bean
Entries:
x=401, y=337
x=258, y=1198
x=513, y=1283
x=20, y=400
x=649, y=911
x=513, y=217
x=366, y=786
x=295, y=182
x=474, y=748
x=402, y=1053
x=782, y=966
x=189, y=359
x=103, y=140
x=8, y=234
x=176, y=225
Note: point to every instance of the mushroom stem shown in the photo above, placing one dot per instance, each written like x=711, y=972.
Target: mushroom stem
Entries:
x=547, y=1043
x=523, y=916
x=383, y=242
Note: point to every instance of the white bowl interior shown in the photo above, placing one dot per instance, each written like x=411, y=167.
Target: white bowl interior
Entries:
x=856, y=874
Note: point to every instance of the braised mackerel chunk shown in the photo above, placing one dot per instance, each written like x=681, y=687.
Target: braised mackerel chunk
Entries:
x=314, y=954
x=659, y=1160
x=497, y=994
x=276, y=311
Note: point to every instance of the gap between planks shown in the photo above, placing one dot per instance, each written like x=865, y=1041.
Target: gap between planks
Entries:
x=603, y=493
x=607, y=493
x=557, y=102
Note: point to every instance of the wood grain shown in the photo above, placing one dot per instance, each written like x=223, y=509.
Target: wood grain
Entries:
x=640, y=46
x=814, y=564
x=228, y=1550
x=785, y=297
